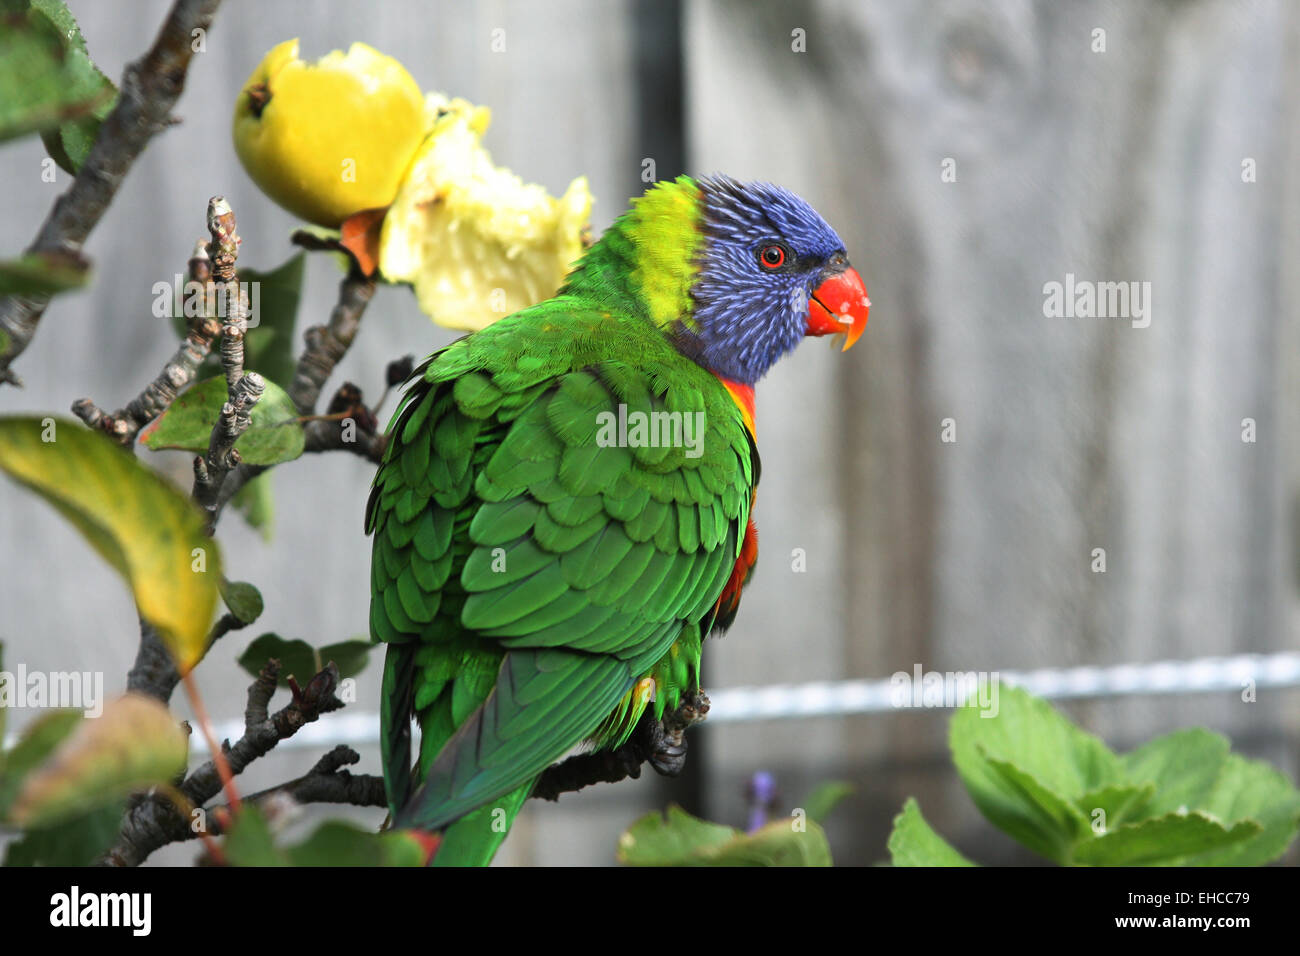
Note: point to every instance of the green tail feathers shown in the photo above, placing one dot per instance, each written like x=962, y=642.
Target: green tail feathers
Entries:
x=475, y=838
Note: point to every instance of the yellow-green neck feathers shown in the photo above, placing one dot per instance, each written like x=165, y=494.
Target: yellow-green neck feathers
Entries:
x=648, y=256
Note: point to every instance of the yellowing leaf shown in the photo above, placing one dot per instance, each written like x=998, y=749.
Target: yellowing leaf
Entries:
x=679, y=839
x=136, y=743
x=476, y=241
x=142, y=525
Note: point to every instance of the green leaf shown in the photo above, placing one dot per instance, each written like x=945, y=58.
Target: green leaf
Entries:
x=351, y=657
x=256, y=502
x=680, y=839
x=1183, y=767
x=1250, y=790
x=914, y=843
x=1181, y=799
x=243, y=600
x=1194, y=770
x=36, y=743
x=1118, y=803
x=150, y=532
x=269, y=345
x=300, y=660
x=1161, y=840
x=248, y=841
x=77, y=841
x=825, y=798
x=43, y=273
x=1025, y=767
x=1045, y=821
x=44, y=81
x=342, y=844
x=273, y=437
x=134, y=744
x=69, y=144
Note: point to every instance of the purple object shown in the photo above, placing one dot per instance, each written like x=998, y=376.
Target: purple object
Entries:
x=762, y=793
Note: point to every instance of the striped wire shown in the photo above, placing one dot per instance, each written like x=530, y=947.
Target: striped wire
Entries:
x=849, y=697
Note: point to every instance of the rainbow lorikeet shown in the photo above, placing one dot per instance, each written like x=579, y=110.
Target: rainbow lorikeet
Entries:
x=563, y=510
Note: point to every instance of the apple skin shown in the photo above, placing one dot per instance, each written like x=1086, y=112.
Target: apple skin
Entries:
x=328, y=139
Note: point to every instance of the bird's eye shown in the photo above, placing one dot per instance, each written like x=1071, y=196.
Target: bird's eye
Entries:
x=772, y=256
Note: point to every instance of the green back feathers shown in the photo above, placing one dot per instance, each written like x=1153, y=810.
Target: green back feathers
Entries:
x=532, y=577
x=538, y=571
x=646, y=262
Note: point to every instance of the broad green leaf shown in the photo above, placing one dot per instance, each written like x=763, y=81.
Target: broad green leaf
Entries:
x=680, y=839
x=1025, y=767
x=776, y=844
x=913, y=841
x=43, y=84
x=134, y=744
x=300, y=660
x=1249, y=790
x=825, y=798
x=342, y=844
x=1183, y=766
x=69, y=144
x=1039, y=740
x=1194, y=770
x=351, y=657
x=248, y=841
x=659, y=840
x=43, y=274
x=1162, y=840
x=77, y=841
x=242, y=599
x=37, y=742
x=1044, y=820
x=274, y=435
x=142, y=525
x=256, y=502
x=1117, y=803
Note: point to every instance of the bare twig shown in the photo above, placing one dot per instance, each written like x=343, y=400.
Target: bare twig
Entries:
x=150, y=88
x=325, y=347
x=155, y=822
x=327, y=344
x=179, y=371
x=326, y=782
x=243, y=390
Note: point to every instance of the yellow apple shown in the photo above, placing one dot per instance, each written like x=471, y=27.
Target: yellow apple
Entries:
x=329, y=139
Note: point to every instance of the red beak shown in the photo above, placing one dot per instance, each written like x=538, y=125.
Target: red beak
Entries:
x=840, y=304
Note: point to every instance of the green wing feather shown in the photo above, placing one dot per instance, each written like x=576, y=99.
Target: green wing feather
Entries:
x=526, y=574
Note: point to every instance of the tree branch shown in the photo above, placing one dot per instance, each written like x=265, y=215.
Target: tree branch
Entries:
x=327, y=344
x=661, y=743
x=326, y=782
x=154, y=822
x=150, y=88
x=180, y=370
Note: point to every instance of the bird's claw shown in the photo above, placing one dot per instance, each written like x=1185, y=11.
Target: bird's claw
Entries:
x=665, y=743
x=669, y=759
